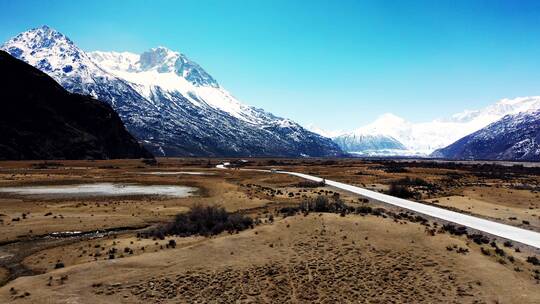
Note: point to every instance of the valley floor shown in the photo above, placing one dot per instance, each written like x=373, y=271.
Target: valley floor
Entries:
x=301, y=258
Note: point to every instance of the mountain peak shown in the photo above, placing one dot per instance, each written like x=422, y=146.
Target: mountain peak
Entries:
x=43, y=36
x=45, y=28
x=165, y=60
x=54, y=53
x=38, y=39
x=160, y=58
x=162, y=49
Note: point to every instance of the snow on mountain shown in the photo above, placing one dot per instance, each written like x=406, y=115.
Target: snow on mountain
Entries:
x=514, y=137
x=425, y=137
x=167, y=101
x=362, y=143
x=326, y=133
x=173, y=72
x=53, y=53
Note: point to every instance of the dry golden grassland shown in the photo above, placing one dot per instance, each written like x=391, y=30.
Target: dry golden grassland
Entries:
x=368, y=252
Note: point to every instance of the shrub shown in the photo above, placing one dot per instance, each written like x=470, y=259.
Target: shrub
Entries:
x=414, y=182
x=310, y=184
x=323, y=204
x=289, y=211
x=460, y=230
x=479, y=239
x=462, y=250
x=206, y=221
x=364, y=210
x=400, y=191
x=533, y=260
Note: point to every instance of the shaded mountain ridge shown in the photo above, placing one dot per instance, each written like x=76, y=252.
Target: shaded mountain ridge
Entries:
x=41, y=120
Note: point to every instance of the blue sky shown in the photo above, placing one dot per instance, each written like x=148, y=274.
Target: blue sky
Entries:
x=337, y=64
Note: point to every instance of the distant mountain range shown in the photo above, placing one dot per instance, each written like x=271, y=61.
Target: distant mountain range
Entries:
x=422, y=139
x=175, y=108
x=168, y=102
x=369, y=145
x=514, y=137
x=41, y=120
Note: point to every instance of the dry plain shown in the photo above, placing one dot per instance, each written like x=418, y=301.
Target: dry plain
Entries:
x=366, y=257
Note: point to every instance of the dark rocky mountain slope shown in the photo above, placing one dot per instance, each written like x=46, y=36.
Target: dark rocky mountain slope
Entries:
x=41, y=120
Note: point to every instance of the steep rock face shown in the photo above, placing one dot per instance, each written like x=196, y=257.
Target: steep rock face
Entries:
x=167, y=101
x=514, y=137
x=41, y=120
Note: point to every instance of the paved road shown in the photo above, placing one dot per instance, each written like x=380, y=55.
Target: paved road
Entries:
x=516, y=234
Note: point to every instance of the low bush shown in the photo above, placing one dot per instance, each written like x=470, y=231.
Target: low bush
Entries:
x=459, y=230
x=364, y=210
x=479, y=238
x=289, y=211
x=533, y=260
x=204, y=220
x=401, y=191
x=414, y=182
x=500, y=252
x=310, y=184
x=323, y=204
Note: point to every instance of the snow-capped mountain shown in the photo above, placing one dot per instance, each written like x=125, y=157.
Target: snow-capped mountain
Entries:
x=514, y=137
x=423, y=138
x=326, y=133
x=167, y=101
x=366, y=144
